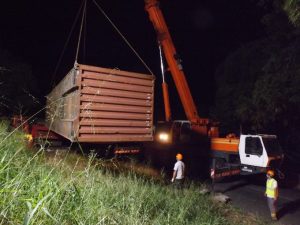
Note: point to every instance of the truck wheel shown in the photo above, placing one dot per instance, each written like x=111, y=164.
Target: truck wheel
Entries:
x=220, y=163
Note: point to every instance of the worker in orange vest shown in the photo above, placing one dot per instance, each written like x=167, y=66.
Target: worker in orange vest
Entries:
x=272, y=193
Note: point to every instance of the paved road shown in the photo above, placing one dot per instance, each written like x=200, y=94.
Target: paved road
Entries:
x=249, y=196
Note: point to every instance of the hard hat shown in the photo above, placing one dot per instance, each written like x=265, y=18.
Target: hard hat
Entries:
x=29, y=137
x=271, y=173
x=179, y=156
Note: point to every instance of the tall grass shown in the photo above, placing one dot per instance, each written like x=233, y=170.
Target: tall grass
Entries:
x=35, y=189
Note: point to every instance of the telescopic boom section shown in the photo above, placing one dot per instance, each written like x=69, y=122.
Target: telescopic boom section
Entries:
x=198, y=124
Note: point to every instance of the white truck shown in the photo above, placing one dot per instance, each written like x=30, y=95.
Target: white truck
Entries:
x=248, y=154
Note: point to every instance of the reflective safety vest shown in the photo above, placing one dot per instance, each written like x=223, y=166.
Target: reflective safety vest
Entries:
x=271, y=191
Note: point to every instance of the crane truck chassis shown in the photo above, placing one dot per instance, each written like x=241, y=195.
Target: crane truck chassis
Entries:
x=248, y=154
x=228, y=156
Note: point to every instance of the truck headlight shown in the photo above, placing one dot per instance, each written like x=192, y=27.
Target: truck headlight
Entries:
x=164, y=137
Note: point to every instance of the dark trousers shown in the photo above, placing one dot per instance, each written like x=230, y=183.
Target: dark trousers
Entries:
x=178, y=183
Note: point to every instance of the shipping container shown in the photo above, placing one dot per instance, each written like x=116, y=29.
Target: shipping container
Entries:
x=99, y=105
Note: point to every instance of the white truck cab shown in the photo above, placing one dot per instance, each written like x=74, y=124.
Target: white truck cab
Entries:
x=259, y=152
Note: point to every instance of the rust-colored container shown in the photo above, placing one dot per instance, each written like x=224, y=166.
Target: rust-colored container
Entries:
x=100, y=105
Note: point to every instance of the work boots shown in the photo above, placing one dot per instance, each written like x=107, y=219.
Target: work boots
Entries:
x=274, y=217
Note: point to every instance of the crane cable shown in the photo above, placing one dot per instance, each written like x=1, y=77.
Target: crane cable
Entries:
x=84, y=37
x=83, y=20
x=80, y=31
x=122, y=36
x=66, y=44
x=162, y=67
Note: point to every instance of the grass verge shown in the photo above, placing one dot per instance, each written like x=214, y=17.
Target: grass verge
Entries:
x=35, y=189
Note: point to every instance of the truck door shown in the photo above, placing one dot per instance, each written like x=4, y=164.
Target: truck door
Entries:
x=185, y=132
x=252, y=152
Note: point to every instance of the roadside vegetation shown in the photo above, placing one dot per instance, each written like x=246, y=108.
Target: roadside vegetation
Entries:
x=66, y=188
x=264, y=77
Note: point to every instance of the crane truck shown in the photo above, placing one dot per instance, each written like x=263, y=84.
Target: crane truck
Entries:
x=248, y=154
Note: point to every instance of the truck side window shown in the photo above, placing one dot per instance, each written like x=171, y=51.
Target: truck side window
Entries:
x=185, y=132
x=253, y=146
x=176, y=131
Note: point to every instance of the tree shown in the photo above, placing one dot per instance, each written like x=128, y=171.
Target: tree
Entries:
x=17, y=85
x=289, y=8
x=259, y=85
x=292, y=9
x=236, y=79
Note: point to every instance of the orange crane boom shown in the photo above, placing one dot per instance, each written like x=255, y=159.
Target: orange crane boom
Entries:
x=200, y=125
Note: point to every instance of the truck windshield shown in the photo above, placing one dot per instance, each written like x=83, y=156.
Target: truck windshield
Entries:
x=272, y=146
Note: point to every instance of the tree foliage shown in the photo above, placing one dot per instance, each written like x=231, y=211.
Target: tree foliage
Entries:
x=259, y=85
x=289, y=8
x=17, y=85
x=236, y=79
x=292, y=9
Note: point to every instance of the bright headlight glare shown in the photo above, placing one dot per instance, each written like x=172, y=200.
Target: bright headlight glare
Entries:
x=163, y=137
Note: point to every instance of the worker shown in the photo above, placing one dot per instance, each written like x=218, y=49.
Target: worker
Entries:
x=272, y=193
x=178, y=172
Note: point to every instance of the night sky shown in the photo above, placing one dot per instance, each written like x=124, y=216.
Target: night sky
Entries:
x=204, y=33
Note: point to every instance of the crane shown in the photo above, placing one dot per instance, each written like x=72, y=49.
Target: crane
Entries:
x=202, y=126
x=248, y=154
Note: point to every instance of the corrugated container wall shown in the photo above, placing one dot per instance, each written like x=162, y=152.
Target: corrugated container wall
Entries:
x=99, y=105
